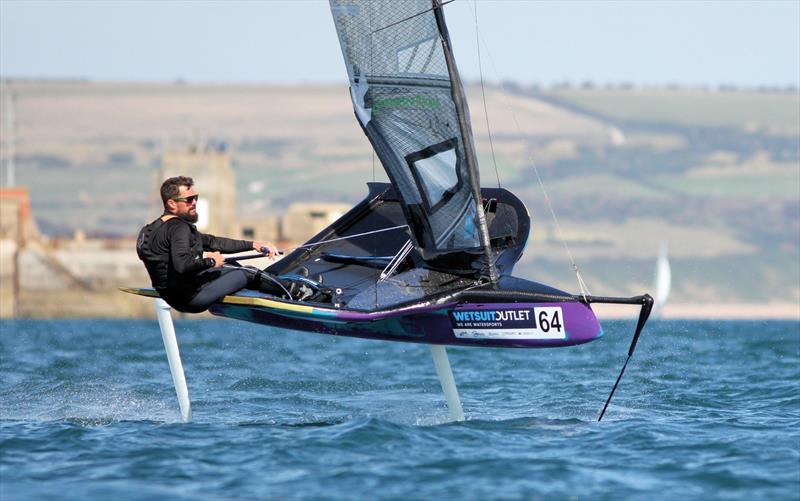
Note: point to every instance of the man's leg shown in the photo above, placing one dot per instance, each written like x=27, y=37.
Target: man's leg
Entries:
x=228, y=281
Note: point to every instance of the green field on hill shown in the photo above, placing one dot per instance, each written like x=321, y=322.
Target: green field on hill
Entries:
x=775, y=112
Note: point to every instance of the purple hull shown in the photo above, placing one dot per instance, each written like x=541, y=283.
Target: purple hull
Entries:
x=501, y=325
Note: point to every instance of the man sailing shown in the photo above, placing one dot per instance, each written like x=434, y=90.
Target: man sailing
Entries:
x=185, y=266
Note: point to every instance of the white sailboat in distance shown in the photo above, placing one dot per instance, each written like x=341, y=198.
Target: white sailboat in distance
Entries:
x=662, y=281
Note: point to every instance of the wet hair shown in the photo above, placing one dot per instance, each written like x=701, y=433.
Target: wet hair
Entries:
x=171, y=188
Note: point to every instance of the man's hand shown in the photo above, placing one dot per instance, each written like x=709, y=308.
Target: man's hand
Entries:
x=266, y=248
x=217, y=257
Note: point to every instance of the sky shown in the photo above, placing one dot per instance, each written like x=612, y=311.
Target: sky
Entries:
x=645, y=42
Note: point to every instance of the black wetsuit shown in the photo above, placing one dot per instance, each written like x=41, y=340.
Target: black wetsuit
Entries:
x=172, y=252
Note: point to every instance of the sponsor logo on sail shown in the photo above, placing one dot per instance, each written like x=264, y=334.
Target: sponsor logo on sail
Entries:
x=405, y=102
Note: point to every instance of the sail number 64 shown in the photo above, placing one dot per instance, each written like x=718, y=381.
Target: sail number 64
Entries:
x=549, y=318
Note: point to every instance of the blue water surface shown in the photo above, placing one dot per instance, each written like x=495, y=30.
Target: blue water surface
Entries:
x=706, y=410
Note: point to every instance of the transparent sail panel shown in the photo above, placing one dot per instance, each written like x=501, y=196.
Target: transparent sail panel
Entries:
x=402, y=94
x=436, y=172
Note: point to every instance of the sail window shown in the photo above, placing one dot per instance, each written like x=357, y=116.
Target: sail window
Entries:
x=435, y=170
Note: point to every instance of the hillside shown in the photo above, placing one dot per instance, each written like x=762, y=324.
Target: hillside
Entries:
x=714, y=174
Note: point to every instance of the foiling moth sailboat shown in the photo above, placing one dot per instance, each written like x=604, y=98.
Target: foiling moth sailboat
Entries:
x=428, y=257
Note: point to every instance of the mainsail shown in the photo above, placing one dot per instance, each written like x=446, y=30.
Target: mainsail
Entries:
x=409, y=100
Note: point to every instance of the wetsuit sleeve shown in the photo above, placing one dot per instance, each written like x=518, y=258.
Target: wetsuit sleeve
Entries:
x=183, y=259
x=226, y=245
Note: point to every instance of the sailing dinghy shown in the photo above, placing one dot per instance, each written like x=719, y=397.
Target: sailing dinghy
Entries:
x=662, y=281
x=428, y=257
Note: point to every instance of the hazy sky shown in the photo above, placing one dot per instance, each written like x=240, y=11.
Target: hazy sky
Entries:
x=736, y=42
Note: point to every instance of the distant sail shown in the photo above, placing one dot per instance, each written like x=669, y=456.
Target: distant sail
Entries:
x=409, y=101
x=663, y=281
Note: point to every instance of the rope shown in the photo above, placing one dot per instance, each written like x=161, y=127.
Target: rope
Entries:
x=581, y=284
x=411, y=16
x=288, y=249
x=483, y=93
x=559, y=233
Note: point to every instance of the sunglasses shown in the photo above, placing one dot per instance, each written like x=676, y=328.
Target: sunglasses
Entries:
x=189, y=200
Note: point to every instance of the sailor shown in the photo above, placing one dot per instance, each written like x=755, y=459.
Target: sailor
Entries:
x=186, y=266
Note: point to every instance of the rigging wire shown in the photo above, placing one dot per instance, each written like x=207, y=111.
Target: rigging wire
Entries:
x=313, y=244
x=398, y=258
x=483, y=92
x=368, y=70
x=276, y=281
x=410, y=17
x=581, y=284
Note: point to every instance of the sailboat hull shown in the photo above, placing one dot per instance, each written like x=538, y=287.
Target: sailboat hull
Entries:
x=422, y=302
x=500, y=325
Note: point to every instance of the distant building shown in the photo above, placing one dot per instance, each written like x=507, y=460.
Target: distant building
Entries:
x=261, y=228
x=16, y=222
x=17, y=228
x=215, y=182
x=304, y=220
x=42, y=277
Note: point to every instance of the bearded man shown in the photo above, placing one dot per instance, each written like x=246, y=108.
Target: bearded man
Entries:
x=185, y=266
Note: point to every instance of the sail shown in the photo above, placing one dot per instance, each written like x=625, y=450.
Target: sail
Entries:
x=663, y=281
x=409, y=101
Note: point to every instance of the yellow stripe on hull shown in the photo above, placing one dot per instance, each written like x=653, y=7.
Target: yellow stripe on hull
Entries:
x=240, y=300
x=267, y=303
x=140, y=292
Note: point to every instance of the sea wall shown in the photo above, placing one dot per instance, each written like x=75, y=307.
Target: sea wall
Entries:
x=76, y=281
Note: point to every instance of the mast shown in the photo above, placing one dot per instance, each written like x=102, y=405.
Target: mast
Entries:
x=10, y=136
x=460, y=100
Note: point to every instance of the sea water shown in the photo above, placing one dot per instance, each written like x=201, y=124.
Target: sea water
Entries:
x=706, y=410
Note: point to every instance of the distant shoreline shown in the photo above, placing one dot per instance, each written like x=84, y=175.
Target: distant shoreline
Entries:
x=708, y=311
